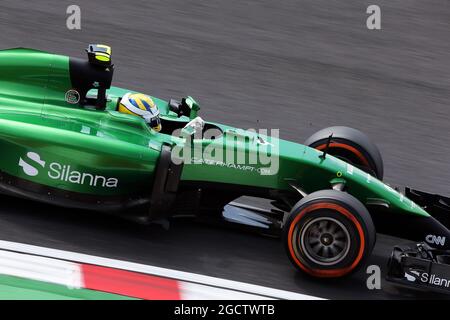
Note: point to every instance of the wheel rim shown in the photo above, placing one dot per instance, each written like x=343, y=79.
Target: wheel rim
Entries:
x=325, y=241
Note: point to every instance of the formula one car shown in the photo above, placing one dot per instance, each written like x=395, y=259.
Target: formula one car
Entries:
x=63, y=141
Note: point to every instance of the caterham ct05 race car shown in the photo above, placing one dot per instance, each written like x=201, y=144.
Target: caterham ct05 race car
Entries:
x=64, y=141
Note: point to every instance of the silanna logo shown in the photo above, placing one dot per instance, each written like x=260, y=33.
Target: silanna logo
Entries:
x=424, y=277
x=29, y=169
x=63, y=172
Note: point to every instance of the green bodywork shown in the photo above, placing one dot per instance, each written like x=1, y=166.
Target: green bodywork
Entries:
x=107, y=153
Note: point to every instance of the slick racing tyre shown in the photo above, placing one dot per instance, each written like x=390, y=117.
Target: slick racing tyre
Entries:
x=329, y=234
x=350, y=145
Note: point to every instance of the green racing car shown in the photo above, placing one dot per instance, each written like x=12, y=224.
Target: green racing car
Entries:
x=64, y=140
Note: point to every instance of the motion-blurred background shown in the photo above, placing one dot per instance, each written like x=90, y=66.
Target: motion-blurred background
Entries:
x=296, y=65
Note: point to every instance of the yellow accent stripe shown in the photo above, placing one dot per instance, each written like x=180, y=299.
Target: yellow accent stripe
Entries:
x=124, y=109
x=150, y=102
x=140, y=104
x=147, y=99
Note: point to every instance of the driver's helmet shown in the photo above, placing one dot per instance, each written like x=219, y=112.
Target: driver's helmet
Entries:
x=143, y=106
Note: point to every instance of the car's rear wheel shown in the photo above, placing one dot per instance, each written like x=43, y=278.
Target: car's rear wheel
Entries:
x=329, y=234
x=350, y=145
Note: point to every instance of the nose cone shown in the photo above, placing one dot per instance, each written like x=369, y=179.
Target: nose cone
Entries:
x=361, y=184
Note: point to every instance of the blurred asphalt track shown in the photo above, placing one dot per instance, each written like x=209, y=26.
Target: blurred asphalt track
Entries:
x=294, y=65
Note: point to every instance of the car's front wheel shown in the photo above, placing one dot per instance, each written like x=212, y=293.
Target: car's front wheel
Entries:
x=350, y=145
x=329, y=234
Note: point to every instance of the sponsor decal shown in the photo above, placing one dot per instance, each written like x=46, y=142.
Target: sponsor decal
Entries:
x=389, y=188
x=432, y=239
x=427, y=278
x=29, y=169
x=434, y=280
x=64, y=172
x=350, y=168
x=412, y=276
x=72, y=96
x=262, y=171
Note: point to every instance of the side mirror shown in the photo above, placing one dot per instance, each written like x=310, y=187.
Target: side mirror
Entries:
x=190, y=104
x=187, y=107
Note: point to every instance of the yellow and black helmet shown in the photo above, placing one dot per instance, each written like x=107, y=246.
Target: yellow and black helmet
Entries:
x=141, y=105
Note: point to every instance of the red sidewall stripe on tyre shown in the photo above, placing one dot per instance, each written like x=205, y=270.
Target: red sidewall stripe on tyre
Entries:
x=355, y=151
x=331, y=272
